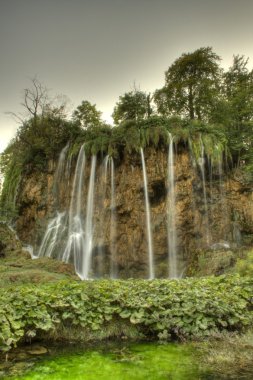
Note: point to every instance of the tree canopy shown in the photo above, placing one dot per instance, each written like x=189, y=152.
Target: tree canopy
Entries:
x=191, y=85
x=133, y=105
x=87, y=115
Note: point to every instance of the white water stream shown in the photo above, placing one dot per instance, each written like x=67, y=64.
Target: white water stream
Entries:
x=148, y=220
x=171, y=210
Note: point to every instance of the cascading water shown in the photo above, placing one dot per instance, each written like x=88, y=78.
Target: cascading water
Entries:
x=57, y=226
x=201, y=162
x=60, y=170
x=68, y=170
x=75, y=243
x=101, y=221
x=51, y=238
x=89, y=226
x=148, y=219
x=171, y=210
x=113, y=265
x=89, y=223
x=222, y=190
x=78, y=247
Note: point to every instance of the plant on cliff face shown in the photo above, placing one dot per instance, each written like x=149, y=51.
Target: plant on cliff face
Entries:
x=190, y=308
x=11, y=169
x=244, y=266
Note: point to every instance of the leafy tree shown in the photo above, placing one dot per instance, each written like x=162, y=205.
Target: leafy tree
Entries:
x=191, y=85
x=238, y=88
x=238, y=92
x=133, y=105
x=87, y=115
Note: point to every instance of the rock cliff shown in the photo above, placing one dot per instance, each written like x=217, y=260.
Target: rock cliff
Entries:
x=225, y=218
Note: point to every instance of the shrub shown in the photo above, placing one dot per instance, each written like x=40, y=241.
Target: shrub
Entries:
x=244, y=266
x=189, y=308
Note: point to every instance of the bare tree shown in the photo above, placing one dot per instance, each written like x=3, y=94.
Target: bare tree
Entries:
x=35, y=98
x=35, y=102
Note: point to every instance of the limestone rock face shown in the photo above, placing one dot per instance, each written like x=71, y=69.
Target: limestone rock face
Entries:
x=227, y=216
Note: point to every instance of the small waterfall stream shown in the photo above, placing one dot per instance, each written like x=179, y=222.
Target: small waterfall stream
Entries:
x=171, y=210
x=75, y=241
x=60, y=171
x=52, y=236
x=56, y=227
x=202, y=170
x=148, y=219
x=102, y=220
x=113, y=265
x=89, y=223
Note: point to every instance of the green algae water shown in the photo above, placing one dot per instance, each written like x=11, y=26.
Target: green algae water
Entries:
x=147, y=361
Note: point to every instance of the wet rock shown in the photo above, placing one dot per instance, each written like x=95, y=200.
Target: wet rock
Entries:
x=218, y=246
x=230, y=210
x=37, y=350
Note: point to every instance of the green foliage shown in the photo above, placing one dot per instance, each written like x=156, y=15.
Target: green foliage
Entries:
x=86, y=115
x=154, y=131
x=191, y=85
x=188, y=308
x=197, y=88
x=11, y=170
x=133, y=105
x=37, y=142
x=238, y=88
x=244, y=266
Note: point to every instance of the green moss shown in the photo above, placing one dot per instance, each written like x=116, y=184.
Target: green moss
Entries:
x=244, y=266
x=135, y=361
x=9, y=191
x=207, y=263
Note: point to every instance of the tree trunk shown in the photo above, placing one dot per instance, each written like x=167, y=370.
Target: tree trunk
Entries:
x=190, y=104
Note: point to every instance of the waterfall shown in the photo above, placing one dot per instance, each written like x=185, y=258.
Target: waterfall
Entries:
x=148, y=220
x=202, y=169
x=101, y=221
x=75, y=242
x=171, y=209
x=52, y=235
x=56, y=227
x=78, y=246
x=89, y=223
x=210, y=166
x=222, y=191
x=113, y=265
x=59, y=176
x=59, y=173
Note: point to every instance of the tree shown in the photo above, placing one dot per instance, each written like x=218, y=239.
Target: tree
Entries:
x=238, y=89
x=87, y=115
x=35, y=99
x=238, y=92
x=191, y=85
x=43, y=128
x=133, y=105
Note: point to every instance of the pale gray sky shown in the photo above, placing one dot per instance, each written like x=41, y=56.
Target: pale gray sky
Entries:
x=97, y=49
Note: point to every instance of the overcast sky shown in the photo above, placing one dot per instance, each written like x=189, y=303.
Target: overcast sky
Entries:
x=97, y=49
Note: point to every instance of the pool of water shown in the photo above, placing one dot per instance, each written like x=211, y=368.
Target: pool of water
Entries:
x=147, y=361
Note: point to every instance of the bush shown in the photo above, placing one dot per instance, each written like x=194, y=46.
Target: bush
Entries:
x=189, y=308
x=244, y=266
